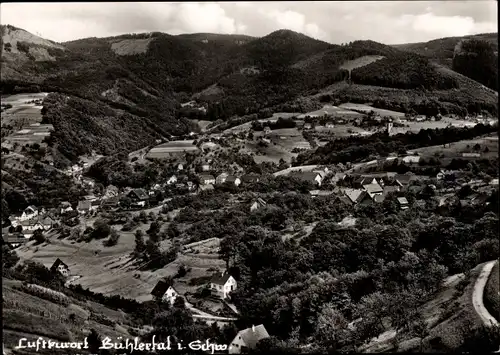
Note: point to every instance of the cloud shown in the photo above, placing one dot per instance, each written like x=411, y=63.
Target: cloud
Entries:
x=335, y=22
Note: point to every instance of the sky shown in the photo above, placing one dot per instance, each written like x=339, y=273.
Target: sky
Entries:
x=389, y=22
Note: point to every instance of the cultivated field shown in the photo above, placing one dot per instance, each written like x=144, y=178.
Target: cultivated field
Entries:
x=330, y=110
x=360, y=62
x=22, y=113
x=455, y=149
x=169, y=149
x=366, y=108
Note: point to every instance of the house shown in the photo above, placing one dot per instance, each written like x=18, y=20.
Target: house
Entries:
x=233, y=180
x=180, y=167
x=471, y=155
x=221, y=178
x=110, y=203
x=329, y=125
x=356, y=196
x=29, y=212
x=47, y=222
x=307, y=126
x=207, y=179
x=494, y=182
x=250, y=178
x=258, y=203
x=190, y=185
x=390, y=189
x=247, y=339
x=403, y=179
x=172, y=180
x=139, y=197
x=166, y=292
x=65, y=207
x=267, y=130
x=157, y=187
x=222, y=284
x=83, y=207
x=309, y=176
x=94, y=205
x=60, y=267
x=403, y=203
x=373, y=189
x=412, y=159
x=203, y=188
x=338, y=177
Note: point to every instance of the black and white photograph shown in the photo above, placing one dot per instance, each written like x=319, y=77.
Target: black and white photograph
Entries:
x=263, y=177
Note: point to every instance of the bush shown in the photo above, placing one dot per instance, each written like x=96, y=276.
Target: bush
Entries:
x=112, y=240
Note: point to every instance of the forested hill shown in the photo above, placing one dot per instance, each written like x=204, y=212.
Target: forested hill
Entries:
x=149, y=75
x=474, y=56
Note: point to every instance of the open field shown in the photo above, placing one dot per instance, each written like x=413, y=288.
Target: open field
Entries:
x=330, y=110
x=360, y=62
x=342, y=130
x=366, y=108
x=110, y=270
x=25, y=315
x=22, y=113
x=455, y=149
x=173, y=148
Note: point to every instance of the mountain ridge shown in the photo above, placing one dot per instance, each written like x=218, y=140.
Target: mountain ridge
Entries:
x=149, y=75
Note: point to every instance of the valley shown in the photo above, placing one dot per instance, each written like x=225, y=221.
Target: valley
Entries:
x=339, y=197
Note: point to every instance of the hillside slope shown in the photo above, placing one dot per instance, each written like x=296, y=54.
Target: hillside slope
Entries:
x=452, y=51
x=140, y=80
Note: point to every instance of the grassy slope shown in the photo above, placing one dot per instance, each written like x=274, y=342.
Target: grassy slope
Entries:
x=491, y=295
x=25, y=315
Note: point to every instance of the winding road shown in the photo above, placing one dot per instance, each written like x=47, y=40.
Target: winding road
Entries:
x=478, y=294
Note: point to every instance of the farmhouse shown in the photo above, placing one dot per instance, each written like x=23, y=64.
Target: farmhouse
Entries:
x=110, y=203
x=207, y=179
x=247, y=339
x=60, y=267
x=165, y=292
x=139, y=197
x=403, y=179
x=258, y=203
x=373, y=189
x=222, y=284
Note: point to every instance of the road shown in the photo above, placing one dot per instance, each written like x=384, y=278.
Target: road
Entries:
x=478, y=292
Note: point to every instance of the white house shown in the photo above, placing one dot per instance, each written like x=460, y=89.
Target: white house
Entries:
x=222, y=284
x=248, y=339
x=172, y=180
x=29, y=212
x=166, y=292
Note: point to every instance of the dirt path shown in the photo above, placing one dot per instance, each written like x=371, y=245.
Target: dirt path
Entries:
x=477, y=295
